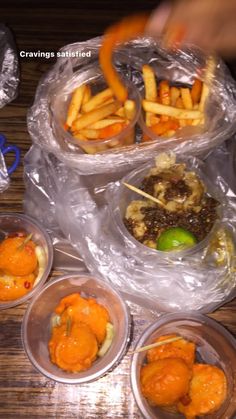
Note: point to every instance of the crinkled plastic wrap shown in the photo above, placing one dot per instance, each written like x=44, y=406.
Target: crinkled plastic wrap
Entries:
x=80, y=208
x=178, y=67
x=9, y=67
x=4, y=178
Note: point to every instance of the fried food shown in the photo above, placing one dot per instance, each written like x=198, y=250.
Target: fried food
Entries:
x=17, y=258
x=99, y=117
x=74, y=351
x=123, y=31
x=81, y=331
x=75, y=104
x=22, y=264
x=173, y=107
x=183, y=203
x=208, y=389
x=85, y=310
x=182, y=349
x=160, y=109
x=95, y=115
x=165, y=381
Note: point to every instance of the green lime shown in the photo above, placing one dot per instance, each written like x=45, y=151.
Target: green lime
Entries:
x=175, y=238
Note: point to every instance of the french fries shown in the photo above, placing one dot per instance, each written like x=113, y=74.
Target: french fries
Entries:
x=168, y=108
x=99, y=117
x=75, y=105
x=98, y=100
x=123, y=31
x=95, y=115
x=174, y=95
x=196, y=91
x=158, y=108
x=186, y=98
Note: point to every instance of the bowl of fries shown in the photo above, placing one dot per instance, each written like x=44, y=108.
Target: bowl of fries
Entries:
x=204, y=347
x=169, y=107
x=87, y=114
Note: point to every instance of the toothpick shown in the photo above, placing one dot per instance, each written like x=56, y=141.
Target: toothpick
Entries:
x=156, y=344
x=27, y=239
x=146, y=195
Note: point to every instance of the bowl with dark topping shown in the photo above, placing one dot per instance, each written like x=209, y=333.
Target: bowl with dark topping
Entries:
x=26, y=255
x=168, y=206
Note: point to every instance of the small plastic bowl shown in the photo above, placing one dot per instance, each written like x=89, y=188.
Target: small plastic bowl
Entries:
x=12, y=223
x=36, y=326
x=123, y=198
x=60, y=103
x=214, y=345
x=181, y=135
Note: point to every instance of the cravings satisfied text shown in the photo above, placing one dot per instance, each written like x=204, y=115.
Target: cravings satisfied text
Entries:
x=52, y=54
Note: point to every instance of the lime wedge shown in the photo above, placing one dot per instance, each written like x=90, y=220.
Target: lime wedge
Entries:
x=175, y=238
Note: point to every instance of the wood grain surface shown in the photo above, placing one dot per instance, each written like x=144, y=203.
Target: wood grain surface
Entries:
x=24, y=392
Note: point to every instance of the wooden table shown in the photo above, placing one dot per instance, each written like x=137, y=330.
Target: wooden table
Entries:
x=24, y=392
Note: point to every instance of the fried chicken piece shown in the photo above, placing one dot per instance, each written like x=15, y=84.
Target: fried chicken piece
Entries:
x=208, y=389
x=165, y=381
x=182, y=349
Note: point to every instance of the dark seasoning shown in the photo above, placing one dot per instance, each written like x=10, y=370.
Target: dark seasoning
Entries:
x=158, y=219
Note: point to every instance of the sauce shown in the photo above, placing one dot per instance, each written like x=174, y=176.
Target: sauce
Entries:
x=18, y=266
x=79, y=331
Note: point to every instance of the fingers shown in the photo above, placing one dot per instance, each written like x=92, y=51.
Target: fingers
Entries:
x=158, y=19
x=210, y=24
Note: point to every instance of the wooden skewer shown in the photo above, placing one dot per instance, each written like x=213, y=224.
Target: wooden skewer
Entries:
x=27, y=239
x=146, y=195
x=156, y=344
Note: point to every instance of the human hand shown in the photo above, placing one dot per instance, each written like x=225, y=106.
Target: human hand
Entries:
x=210, y=24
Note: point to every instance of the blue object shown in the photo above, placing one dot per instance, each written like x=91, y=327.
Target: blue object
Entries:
x=10, y=149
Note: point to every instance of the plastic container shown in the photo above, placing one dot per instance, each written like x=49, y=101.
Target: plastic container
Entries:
x=12, y=223
x=36, y=326
x=181, y=135
x=60, y=103
x=123, y=198
x=214, y=345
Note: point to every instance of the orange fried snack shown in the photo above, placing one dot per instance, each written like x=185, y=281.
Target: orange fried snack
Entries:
x=75, y=349
x=123, y=31
x=207, y=392
x=15, y=287
x=79, y=332
x=17, y=258
x=165, y=381
x=85, y=310
x=182, y=349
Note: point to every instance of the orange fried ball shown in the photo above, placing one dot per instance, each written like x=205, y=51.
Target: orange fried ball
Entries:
x=165, y=381
x=73, y=351
x=17, y=258
x=208, y=389
x=179, y=349
x=85, y=310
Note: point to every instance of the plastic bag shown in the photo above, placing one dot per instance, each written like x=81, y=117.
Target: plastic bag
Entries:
x=9, y=67
x=180, y=66
x=79, y=207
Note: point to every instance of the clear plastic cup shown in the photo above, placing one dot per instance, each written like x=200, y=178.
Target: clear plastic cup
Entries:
x=13, y=223
x=124, y=196
x=214, y=345
x=36, y=326
x=59, y=106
